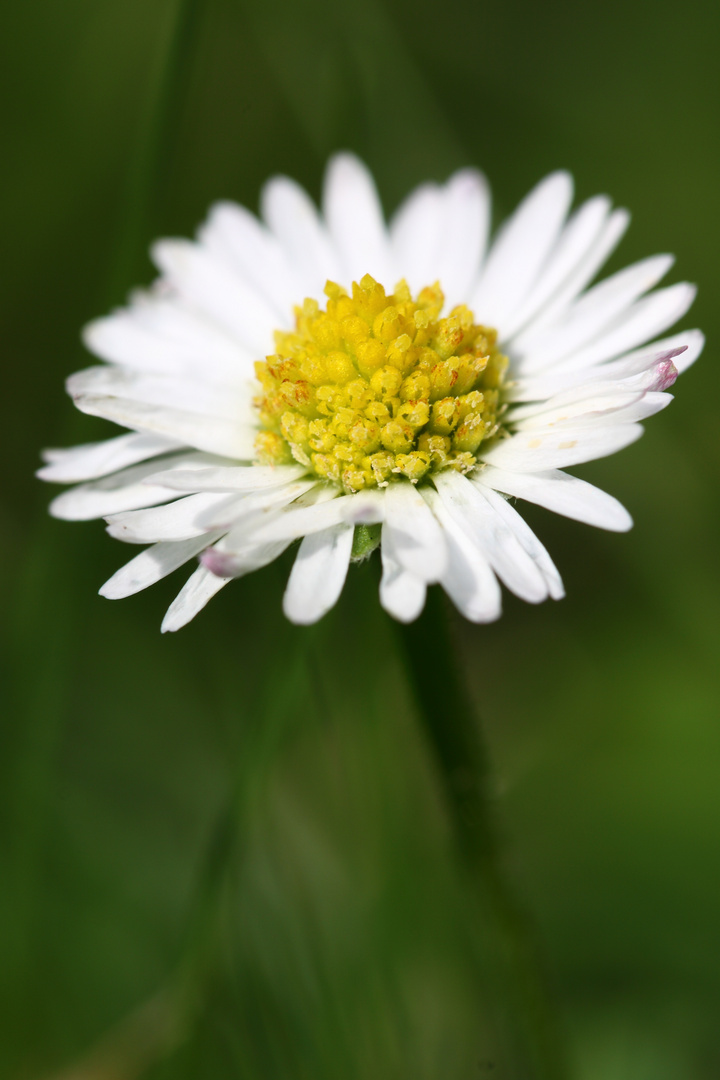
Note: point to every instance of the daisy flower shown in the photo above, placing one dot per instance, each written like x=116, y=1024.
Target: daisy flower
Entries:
x=327, y=378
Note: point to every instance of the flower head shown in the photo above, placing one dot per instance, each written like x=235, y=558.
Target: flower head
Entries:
x=330, y=379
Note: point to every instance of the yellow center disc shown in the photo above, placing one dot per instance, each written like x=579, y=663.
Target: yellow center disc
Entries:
x=377, y=387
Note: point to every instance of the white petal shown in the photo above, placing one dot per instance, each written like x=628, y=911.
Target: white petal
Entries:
x=416, y=231
x=683, y=349
x=528, y=541
x=160, y=334
x=193, y=597
x=650, y=316
x=468, y=579
x=216, y=435
x=84, y=503
x=537, y=451
x=561, y=493
x=402, y=594
x=655, y=372
x=318, y=574
x=191, y=395
x=355, y=220
x=600, y=400
x=234, y=235
x=464, y=237
x=240, y=478
x=589, y=317
x=652, y=370
x=218, y=292
x=128, y=489
x=575, y=242
x=411, y=532
x=581, y=276
x=473, y=513
x=647, y=405
x=91, y=460
x=253, y=508
x=521, y=249
x=364, y=508
x=292, y=217
x=174, y=521
x=243, y=558
x=153, y=564
x=301, y=522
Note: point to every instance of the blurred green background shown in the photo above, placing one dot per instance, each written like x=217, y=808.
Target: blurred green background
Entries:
x=224, y=853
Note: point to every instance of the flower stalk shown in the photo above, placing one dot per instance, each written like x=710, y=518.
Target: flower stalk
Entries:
x=455, y=738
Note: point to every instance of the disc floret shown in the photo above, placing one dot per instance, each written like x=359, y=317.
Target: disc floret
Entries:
x=378, y=387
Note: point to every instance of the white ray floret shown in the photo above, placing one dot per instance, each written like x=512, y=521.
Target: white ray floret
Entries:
x=192, y=478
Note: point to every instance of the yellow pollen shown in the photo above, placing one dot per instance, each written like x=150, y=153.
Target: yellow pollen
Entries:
x=379, y=387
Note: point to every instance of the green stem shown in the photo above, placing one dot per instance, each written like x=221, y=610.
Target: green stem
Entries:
x=455, y=737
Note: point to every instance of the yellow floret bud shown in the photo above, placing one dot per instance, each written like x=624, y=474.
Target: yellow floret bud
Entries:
x=387, y=326
x=445, y=415
x=415, y=386
x=414, y=413
x=365, y=436
x=339, y=367
x=386, y=383
x=378, y=412
x=470, y=433
x=397, y=437
x=354, y=331
x=320, y=437
x=413, y=465
x=381, y=465
x=370, y=356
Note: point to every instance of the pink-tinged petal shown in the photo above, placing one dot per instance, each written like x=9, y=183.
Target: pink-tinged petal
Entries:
x=638, y=370
x=241, y=560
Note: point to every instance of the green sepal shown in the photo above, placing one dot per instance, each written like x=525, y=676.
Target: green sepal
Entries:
x=365, y=539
